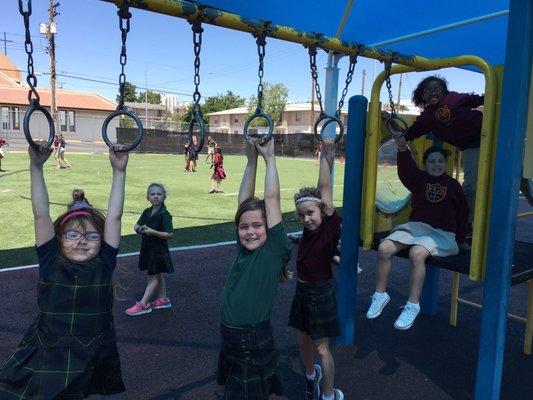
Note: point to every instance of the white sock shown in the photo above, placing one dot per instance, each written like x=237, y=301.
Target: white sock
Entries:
x=415, y=305
x=312, y=376
x=380, y=293
x=330, y=397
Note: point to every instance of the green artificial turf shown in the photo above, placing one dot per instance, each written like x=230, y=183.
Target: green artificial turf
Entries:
x=198, y=217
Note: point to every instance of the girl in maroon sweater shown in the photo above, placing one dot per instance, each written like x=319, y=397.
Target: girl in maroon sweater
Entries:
x=314, y=307
x=438, y=222
x=452, y=118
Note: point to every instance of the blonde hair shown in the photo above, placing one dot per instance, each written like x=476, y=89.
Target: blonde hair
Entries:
x=159, y=185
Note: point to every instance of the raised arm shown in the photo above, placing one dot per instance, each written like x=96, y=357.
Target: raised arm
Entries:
x=247, y=188
x=119, y=161
x=324, y=175
x=272, y=192
x=44, y=227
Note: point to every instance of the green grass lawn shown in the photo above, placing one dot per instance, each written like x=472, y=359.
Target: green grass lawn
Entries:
x=198, y=217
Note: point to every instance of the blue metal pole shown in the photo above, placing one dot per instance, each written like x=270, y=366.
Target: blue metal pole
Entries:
x=510, y=148
x=351, y=216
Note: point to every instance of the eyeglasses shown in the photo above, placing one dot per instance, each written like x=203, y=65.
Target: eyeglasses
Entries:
x=435, y=90
x=91, y=236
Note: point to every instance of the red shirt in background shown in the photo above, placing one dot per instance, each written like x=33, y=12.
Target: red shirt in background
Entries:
x=452, y=120
x=436, y=201
x=315, y=250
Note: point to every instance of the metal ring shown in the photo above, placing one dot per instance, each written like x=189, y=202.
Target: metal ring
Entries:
x=329, y=119
x=197, y=117
x=259, y=114
x=133, y=116
x=35, y=106
x=396, y=119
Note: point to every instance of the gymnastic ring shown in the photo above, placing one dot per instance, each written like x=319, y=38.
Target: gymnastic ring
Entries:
x=35, y=106
x=329, y=120
x=259, y=114
x=197, y=117
x=398, y=122
x=133, y=116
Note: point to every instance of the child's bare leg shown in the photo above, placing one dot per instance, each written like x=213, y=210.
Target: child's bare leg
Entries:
x=327, y=364
x=305, y=343
x=417, y=258
x=150, y=289
x=161, y=287
x=386, y=250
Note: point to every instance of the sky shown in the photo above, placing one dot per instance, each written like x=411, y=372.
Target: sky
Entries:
x=160, y=56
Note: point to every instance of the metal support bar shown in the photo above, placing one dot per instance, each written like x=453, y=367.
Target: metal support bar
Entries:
x=351, y=217
x=429, y=303
x=455, y=298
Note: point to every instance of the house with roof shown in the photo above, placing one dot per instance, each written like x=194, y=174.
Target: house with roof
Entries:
x=296, y=118
x=80, y=115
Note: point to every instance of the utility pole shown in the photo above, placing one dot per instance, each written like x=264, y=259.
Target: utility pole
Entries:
x=399, y=92
x=363, y=83
x=49, y=30
x=5, y=43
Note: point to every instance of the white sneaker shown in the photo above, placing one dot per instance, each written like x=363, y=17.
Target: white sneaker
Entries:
x=407, y=317
x=379, y=301
x=359, y=269
x=337, y=394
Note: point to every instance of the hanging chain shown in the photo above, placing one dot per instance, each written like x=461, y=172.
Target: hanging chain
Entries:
x=314, y=75
x=349, y=76
x=124, y=17
x=197, y=31
x=388, y=65
x=261, y=43
x=31, y=79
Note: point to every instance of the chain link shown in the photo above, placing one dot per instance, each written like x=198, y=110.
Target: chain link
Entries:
x=124, y=17
x=349, y=76
x=31, y=79
x=314, y=76
x=197, y=31
x=388, y=65
x=261, y=43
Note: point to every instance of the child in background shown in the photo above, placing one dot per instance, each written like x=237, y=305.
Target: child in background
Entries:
x=248, y=361
x=314, y=307
x=78, y=200
x=218, y=174
x=2, y=143
x=155, y=226
x=55, y=153
x=63, y=162
x=211, y=146
x=70, y=350
x=438, y=222
x=192, y=159
x=452, y=118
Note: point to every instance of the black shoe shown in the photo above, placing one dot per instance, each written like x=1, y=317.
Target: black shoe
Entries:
x=312, y=386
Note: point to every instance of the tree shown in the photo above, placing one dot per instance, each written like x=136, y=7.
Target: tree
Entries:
x=150, y=96
x=274, y=102
x=130, y=94
x=222, y=102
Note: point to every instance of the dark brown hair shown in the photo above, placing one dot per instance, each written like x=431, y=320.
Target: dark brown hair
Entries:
x=250, y=204
x=78, y=194
x=309, y=192
x=418, y=93
x=95, y=217
x=435, y=149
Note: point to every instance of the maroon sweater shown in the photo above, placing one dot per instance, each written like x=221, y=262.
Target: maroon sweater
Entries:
x=451, y=120
x=436, y=201
x=315, y=250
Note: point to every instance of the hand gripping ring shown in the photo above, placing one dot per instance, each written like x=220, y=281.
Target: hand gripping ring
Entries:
x=329, y=120
x=259, y=114
x=197, y=117
x=396, y=125
x=133, y=116
x=35, y=106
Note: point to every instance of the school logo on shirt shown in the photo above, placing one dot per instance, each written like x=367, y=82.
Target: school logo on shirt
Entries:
x=435, y=192
x=443, y=114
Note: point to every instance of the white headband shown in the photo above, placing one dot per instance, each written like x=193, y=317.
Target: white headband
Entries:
x=308, y=198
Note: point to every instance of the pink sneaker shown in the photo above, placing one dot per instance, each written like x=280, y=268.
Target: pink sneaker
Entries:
x=161, y=303
x=139, y=309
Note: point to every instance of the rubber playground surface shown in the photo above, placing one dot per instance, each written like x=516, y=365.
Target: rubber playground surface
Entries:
x=172, y=354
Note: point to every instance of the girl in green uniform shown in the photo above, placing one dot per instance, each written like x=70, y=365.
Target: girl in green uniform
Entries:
x=155, y=226
x=248, y=361
x=70, y=351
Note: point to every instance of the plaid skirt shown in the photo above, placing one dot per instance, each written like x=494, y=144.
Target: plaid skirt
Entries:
x=314, y=310
x=75, y=372
x=248, y=363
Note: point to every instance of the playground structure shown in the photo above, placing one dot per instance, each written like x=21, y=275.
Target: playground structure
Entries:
x=501, y=157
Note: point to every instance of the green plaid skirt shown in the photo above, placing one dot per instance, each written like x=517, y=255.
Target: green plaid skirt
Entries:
x=314, y=310
x=248, y=363
x=37, y=372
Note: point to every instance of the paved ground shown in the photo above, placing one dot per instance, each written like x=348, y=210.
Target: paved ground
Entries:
x=171, y=354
